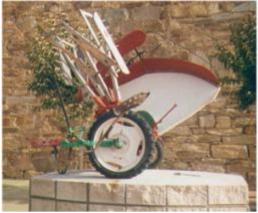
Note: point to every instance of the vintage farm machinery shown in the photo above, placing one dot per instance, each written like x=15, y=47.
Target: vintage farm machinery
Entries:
x=134, y=98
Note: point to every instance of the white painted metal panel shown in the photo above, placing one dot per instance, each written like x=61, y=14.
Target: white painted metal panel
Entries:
x=187, y=91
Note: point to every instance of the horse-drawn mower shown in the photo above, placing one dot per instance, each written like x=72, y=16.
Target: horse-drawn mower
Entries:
x=137, y=100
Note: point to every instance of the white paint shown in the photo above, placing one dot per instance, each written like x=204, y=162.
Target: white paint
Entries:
x=187, y=91
x=65, y=68
x=85, y=16
x=119, y=59
x=126, y=156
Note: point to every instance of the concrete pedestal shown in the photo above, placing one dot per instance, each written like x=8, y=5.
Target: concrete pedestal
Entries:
x=153, y=190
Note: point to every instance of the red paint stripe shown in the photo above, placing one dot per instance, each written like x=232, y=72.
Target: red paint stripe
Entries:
x=161, y=65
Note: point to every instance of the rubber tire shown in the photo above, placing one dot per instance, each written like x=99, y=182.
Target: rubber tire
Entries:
x=149, y=145
x=158, y=148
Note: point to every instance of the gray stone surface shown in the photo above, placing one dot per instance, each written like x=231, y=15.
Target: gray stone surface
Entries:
x=145, y=209
x=73, y=191
x=187, y=209
x=207, y=121
x=107, y=193
x=187, y=195
x=231, y=194
x=153, y=190
x=229, y=209
x=43, y=188
x=42, y=205
x=106, y=208
x=64, y=206
x=146, y=195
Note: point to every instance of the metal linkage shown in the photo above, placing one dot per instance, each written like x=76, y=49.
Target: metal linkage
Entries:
x=99, y=39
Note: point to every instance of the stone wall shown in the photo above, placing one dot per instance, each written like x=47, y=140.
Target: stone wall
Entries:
x=219, y=138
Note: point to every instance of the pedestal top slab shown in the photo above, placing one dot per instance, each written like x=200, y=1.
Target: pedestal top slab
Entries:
x=153, y=190
x=151, y=177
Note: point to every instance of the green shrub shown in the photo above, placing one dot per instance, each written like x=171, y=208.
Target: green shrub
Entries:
x=242, y=59
x=47, y=82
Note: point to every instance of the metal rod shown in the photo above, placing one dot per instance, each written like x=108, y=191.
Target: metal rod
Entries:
x=84, y=15
x=166, y=114
x=95, y=52
x=61, y=102
x=99, y=77
x=79, y=76
x=113, y=71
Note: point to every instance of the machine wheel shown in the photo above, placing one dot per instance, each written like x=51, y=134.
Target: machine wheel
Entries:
x=157, y=155
x=137, y=145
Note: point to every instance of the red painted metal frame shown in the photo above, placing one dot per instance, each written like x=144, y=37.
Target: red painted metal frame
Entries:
x=131, y=41
x=46, y=143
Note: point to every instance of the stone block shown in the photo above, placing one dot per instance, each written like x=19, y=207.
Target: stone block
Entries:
x=220, y=102
x=244, y=7
x=106, y=208
x=240, y=166
x=229, y=151
x=178, y=11
x=115, y=16
x=146, y=195
x=229, y=209
x=198, y=131
x=198, y=10
x=145, y=209
x=252, y=152
x=243, y=121
x=187, y=209
x=235, y=194
x=187, y=195
x=223, y=122
x=42, y=205
x=208, y=166
x=179, y=165
x=42, y=161
x=72, y=191
x=208, y=139
x=64, y=206
x=181, y=130
x=10, y=130
x=191, y=150
x=193, y=121
x=225, y=132
x=213, y=7
x=43, y=188
x=146, y=13
x=252, y=181
x=107, y=193
x=241, y=139
x=207, y=121
x=183, y=139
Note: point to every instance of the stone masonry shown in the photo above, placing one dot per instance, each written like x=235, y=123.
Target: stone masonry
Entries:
x=154, y=190
x=219, y=138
